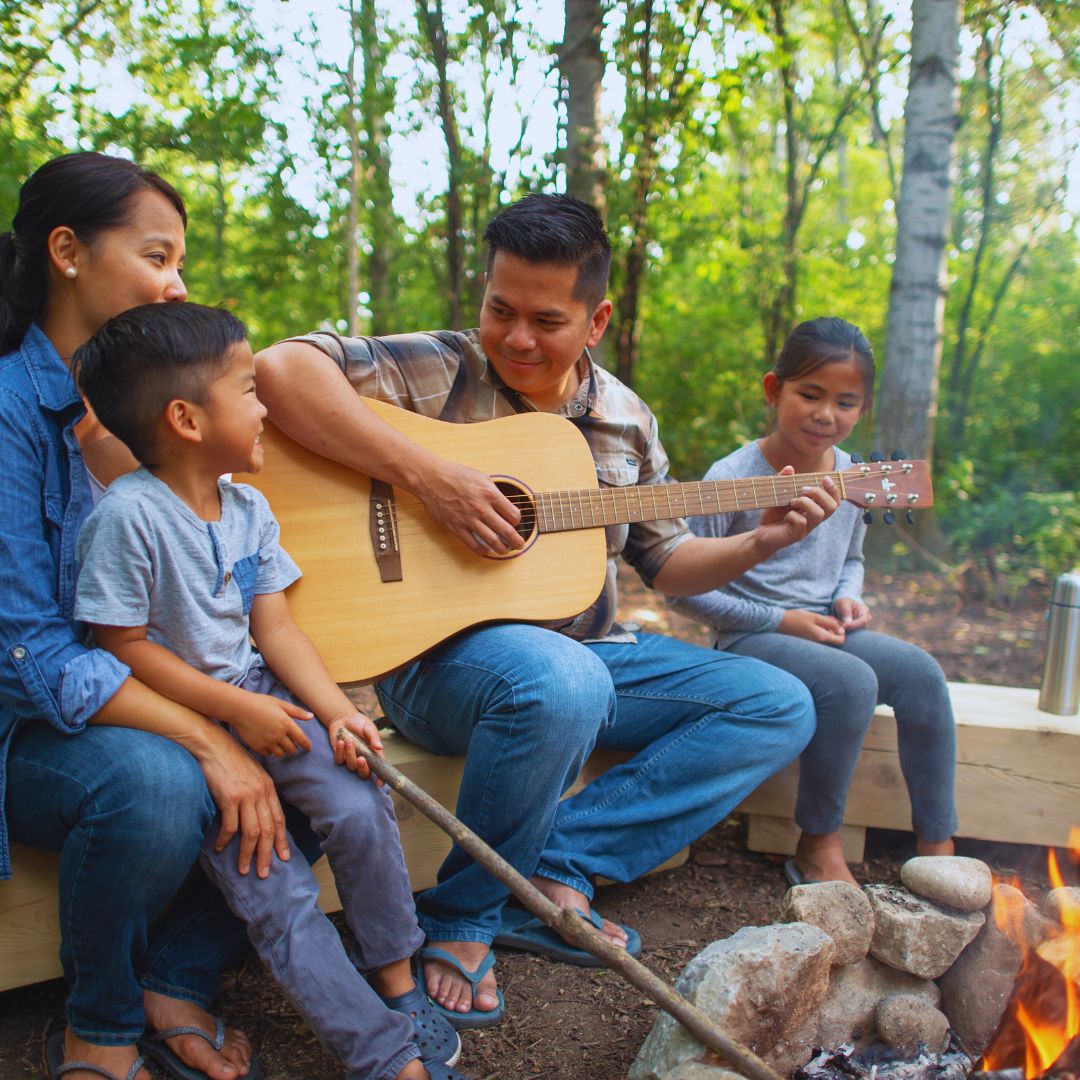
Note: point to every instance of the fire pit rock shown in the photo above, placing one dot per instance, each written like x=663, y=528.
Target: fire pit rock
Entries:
x=696, y=1070
x=759, y=985
x=1062, y=900
x=955, y=881
x=908, y=1022
x=914, y=935
x=838, y=908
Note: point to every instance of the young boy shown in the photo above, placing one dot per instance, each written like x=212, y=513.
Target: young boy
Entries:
x=179, y=568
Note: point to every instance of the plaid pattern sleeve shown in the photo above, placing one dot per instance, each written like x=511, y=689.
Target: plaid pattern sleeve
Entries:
x=445, y=375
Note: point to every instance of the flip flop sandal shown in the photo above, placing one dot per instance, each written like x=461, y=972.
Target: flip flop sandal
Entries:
x=57, y=1067
x=435, y=1035
x=523, y=930
x=474, y=1018
x=795, y=876
x=153, y=1046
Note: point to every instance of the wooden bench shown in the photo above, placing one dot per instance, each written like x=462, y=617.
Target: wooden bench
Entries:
x=1017, y=781
x=29, y=933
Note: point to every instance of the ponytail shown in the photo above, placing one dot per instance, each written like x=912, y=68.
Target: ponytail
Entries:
x=88, y=192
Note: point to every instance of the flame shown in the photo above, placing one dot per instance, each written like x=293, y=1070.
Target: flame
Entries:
x=1046, y=1003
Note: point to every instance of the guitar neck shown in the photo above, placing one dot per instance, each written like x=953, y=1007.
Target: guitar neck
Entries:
x=560, y=511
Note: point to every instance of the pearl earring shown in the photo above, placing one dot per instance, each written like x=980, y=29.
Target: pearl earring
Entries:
x=71, y=272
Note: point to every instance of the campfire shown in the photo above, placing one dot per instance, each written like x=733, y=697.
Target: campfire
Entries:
x=948, y=975
x=1038, y=1033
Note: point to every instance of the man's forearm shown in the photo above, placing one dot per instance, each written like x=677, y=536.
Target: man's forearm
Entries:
x=705, y=563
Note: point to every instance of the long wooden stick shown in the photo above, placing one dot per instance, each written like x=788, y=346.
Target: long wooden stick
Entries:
x=566, y=922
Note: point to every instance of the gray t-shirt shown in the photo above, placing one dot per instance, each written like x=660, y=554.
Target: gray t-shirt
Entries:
x=147, y=559
x=807, y=576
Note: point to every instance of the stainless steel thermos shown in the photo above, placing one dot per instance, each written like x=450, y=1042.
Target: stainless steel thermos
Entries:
x=1060, y=688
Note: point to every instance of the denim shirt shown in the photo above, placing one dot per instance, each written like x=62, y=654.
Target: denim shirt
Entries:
x=47, y=672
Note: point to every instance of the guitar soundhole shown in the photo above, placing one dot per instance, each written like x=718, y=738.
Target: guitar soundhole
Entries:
x=522, y=498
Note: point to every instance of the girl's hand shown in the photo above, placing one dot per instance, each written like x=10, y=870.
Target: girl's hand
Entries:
x=852, y=614
x=823, y=629
x=268, y=725
x=345, y=749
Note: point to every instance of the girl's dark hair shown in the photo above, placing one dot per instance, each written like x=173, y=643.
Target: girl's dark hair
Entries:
x=147, y=356
x=88, y=192
x=818, y=342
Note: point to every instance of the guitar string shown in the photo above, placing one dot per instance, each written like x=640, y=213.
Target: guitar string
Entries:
x=550, y=502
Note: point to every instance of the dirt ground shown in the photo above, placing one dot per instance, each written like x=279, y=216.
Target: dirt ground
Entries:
x=570, y=1023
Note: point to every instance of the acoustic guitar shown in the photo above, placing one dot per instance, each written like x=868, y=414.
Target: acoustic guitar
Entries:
x=383, y=583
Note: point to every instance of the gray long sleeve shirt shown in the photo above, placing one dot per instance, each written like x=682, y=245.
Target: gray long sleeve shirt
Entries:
x=807, y=576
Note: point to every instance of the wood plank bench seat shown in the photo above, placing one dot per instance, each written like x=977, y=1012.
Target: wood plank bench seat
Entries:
x=1017, y=782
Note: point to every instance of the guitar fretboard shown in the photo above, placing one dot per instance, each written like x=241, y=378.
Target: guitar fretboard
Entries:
x=560, y=511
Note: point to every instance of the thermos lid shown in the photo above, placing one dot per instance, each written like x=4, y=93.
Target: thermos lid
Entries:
x=1067, y=590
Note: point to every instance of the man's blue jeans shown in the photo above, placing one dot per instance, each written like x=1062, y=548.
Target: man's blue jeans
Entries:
x=127, y=810
x=529, y=705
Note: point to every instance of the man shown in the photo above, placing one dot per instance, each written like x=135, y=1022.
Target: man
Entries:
x=528, y=704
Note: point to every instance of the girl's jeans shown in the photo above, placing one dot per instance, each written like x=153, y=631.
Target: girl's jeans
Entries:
x=528, y=706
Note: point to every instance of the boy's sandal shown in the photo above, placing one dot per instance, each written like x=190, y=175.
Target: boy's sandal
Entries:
x=57, y=1067
x=435, y=1035
x=153, y=1046
x=474, y=1018
x=438, y=1070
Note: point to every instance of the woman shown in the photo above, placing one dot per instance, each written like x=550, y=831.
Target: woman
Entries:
x=93, y=764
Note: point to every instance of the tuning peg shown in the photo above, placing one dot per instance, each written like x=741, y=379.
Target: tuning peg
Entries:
x=889, y=517
x=868, y=517
x=877, y=455
x=898, y=455
x=856, y=459
x=910, y=518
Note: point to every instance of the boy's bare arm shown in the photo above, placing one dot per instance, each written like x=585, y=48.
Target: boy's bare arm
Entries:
x=292, y=657
x=265, y=723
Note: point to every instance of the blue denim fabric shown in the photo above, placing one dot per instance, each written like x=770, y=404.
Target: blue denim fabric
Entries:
x=47, y=674
x=528, y=706
x=127, y=810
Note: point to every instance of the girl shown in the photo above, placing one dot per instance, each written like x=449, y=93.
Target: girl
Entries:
x=802, y=610
x=84, y=769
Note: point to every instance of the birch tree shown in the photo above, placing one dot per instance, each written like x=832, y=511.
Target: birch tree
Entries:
x=907, y=403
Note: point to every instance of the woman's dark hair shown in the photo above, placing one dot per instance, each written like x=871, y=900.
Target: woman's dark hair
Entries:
x=88, y=192
x=147, y=356
x=556, y=229
x=818, y=342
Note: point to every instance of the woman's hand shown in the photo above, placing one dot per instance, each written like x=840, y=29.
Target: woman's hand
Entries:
x=268, y=725
x=852, y=614
x=345, y=749
x=249, y=805
x=824, y=629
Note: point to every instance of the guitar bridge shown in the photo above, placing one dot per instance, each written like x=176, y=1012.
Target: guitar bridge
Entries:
x=382, y=524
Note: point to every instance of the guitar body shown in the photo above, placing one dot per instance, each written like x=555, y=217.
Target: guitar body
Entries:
x=364, y=626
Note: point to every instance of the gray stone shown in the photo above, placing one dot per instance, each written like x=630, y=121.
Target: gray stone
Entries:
x=977, y=988
x=907, y=1022
x=1062, y=901
x=759, y=985
x=847, y=1015
x=840, y=909
x=912, y=935
x=961, y=883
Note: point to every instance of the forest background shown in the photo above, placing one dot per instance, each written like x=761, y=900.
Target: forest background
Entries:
x=340, y=160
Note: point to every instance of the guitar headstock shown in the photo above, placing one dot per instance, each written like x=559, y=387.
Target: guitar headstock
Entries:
x=889, y=485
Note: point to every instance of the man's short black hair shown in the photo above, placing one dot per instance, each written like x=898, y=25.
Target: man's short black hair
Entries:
x=146, y=357
x=557, y=229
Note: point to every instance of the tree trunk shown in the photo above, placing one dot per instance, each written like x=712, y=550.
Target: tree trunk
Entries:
x=380, y=224
x=908, y=391
x=352, y=238
x=582, y=64
x=434, y=27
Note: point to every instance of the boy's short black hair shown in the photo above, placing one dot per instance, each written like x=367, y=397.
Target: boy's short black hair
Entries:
x=146, y=357
x=556, y=229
